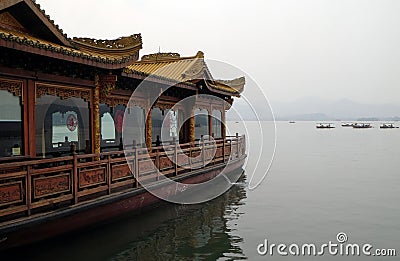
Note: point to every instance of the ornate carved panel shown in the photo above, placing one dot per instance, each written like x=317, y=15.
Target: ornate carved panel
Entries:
x=121, y=171
x=203, y=106
x=113, y=101
x=146, y=166
x=165, y=163
x=219, y=153
x=209, y=154
x=14, y=87
x=107, y=84
x=92, y=177
x=53, y=185
x=195, y=157
x=227, y=150
x=61, y=91
x=142, y=103
x=183, y=159
x=11, y=193
x=164, y=105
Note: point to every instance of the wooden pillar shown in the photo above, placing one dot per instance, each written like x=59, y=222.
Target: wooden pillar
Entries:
x=191, y=126
x=96, y=117
x=149, y=129
x=29, y=103
x=223, y=122
x=75, y=173
x=210, y=121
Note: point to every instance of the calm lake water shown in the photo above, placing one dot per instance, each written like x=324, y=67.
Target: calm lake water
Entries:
x=322, y=182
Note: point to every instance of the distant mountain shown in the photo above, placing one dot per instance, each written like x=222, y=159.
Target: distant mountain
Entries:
x=314, y=109
x=306, y=117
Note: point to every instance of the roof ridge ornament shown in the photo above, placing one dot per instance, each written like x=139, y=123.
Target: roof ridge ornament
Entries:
x=115, y=44
x=199, y=54
x=160, y=57
x=234, y=82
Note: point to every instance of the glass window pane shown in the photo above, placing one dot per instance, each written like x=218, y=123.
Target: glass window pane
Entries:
x=165, y=125
x=201, y=123
x=217, y=125
x=11, y=133
x=65, y=128
x=134, y=126
x=107, y=127
x=61, y=123
x=108, y=132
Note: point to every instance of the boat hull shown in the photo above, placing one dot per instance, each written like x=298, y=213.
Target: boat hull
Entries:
x=73, y=218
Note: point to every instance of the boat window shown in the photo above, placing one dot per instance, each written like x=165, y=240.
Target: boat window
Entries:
x=108, y=135
x=201, y=123
x=65, y=128
x=217, y=124
x=107, y=128
x=61, y=123
x=11, y=138
x=135, y=126
x=111, y=126
x=165, y=125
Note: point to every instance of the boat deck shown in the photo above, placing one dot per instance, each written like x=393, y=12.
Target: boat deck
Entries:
x=37, y=187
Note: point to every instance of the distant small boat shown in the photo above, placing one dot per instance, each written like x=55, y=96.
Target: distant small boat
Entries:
x=362, y=126
x=347, y=125
x=388, y=126
x=292, y=122
x=325, y=126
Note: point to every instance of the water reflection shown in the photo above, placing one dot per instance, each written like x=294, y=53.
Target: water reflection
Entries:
x=167, y=232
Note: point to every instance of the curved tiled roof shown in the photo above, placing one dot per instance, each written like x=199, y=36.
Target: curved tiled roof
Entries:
x=228, y=86
x=23, y=40
x=118, y=47
x=40, y=35
x=110, y=54
x=167, y=65
x=183, y=69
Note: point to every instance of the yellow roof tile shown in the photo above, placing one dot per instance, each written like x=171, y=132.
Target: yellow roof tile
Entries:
x=170, y=66
x=183, y=69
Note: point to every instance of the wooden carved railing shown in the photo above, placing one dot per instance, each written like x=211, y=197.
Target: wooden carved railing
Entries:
x=35, y=186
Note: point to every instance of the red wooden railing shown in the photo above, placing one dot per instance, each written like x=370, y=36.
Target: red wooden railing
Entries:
x=35, y=186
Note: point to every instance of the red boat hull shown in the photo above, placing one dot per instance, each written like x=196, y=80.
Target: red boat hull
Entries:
x=78, y=217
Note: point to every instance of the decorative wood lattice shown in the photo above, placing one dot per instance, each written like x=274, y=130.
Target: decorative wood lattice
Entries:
x=14, y=87
x=62, y=92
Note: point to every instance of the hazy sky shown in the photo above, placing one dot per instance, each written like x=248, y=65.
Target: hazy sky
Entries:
x=331, y=49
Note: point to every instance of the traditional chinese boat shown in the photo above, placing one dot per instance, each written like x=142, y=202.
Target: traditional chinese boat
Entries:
x=347, y=124
x=63, y=106
x=362, y=126
x=388, y=126
x=325, y=126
